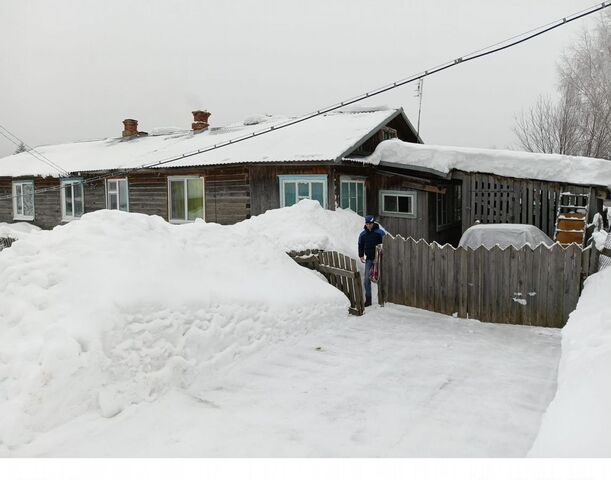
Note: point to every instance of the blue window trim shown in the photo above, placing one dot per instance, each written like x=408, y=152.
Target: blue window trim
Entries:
x=283, y=179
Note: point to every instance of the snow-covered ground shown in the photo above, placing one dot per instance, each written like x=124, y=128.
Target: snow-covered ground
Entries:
x=123, y=335
x=398, y=382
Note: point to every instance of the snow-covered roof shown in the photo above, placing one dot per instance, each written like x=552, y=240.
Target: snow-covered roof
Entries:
x=326, y=137
x=507, y=163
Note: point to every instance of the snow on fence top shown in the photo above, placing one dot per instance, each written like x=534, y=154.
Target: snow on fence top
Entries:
x=507, y=163
x=324, y=138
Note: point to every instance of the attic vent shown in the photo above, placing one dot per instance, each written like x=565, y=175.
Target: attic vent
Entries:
x=367, y=148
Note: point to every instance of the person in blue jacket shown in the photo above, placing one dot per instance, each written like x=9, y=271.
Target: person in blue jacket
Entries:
x=371, y=236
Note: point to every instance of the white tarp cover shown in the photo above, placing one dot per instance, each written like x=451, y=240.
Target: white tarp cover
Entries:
x=503, y=235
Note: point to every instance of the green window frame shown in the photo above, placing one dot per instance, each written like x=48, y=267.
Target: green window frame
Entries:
x=294, y=188
x=185, y=199
x=353, y=194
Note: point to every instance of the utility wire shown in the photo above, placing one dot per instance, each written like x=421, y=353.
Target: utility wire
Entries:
x=11, y=137
x=497, y=47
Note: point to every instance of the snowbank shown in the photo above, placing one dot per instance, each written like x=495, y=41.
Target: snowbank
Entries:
x=17, y=230
x=306, y=225
x=117, y=308
x=577, y=422
x=540, y=166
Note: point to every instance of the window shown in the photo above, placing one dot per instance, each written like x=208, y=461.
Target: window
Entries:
x=72, y=199
x=186, y=199
x=116, y=195
x=297, y=187
x=23, y=200
x=449, y=207
x=352, y=195
x=398, y=203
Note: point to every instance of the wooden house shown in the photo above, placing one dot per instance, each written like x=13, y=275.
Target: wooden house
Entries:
x=163, y=173
x=559, y=194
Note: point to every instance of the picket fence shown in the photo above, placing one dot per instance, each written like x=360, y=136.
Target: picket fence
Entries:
x=340, y=270
x=524, y=286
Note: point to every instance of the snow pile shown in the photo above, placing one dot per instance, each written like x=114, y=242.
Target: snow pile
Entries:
x=540, y=166
x=17, y=230
x=117, y=308
x=577, y=422
x=257, y=119
x=306, y=225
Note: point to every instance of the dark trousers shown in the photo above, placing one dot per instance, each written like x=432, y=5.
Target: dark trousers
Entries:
x=367, y=282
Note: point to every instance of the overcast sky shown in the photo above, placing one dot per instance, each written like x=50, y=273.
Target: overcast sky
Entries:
x=74, y=69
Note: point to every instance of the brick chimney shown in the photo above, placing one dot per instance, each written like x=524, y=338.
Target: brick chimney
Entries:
x=200, y=120
x=130, y=127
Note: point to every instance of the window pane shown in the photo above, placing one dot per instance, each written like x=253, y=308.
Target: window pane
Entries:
x=112, y=201
x=195, y=190
x=177, y=205
x=405, y=204
x=122, y=184
x=68, y=200
x=289, y=194
x=78, y=199
x=317, y=193
x=360, y=199
x=112, y=186
x=390, y=203
x=344, y=197
x=303, y=190
x=28, y=199
x=19, y=194
x=353, y=196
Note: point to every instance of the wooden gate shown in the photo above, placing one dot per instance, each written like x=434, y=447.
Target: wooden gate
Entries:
x=537, y=287
x=340, y=270
x=6, y=242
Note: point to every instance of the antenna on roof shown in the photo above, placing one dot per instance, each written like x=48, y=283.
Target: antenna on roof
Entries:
x=419, y=92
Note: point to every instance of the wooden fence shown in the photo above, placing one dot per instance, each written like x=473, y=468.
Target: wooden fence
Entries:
x=494, y=199
x=6, y=242
x=528, y=287
x=340, y=270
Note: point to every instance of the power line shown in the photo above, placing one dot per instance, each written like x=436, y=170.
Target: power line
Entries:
x=11, y=137
x=497, y=47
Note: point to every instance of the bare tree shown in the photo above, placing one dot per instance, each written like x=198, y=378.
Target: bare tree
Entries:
x=579, y=123
x=21, y=148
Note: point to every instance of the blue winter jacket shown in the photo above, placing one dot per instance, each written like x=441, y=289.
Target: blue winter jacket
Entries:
x=368, y=240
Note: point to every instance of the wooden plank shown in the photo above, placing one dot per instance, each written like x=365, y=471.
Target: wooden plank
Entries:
x=430, y=287
x=412, y=266
x=406, y=271
x=473, y=200
x=466, y=203
x=451, y=303
x=572, y=272
x=462, y=281
x=504, y=285
x=553, y=296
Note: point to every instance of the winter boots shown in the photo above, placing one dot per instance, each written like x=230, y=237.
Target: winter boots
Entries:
x=368, y=301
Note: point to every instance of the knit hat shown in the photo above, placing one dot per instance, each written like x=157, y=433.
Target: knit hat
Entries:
x=370, y=219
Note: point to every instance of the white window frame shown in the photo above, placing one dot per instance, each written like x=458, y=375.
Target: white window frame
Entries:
x=70, y=181
x=399, y=193
x=186, y=199
x=122, y=179
x=21, y=216
x=284, y=179
x=361, y=180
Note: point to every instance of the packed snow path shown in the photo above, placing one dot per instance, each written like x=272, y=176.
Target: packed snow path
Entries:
x=397, y=382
